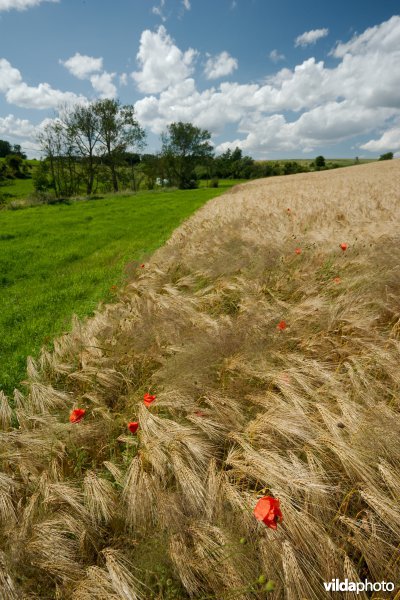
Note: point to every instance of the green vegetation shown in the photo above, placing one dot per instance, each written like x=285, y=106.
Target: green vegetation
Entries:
x=63, y=259
x=386, y=156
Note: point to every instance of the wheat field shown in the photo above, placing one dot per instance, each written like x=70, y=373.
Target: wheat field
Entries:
x=307, y=411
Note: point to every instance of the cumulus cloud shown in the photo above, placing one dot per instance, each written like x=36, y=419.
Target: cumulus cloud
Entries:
x=19, y=93
x=21, y=4
x=12, y=126
x=381, y=38
x=333, y=104
x=103, y=84
x=219, y=66
x=9, y=76
x=389, y=141
x=162, y=62
x=276, y=56
x=82, y=66
x=186, y=4
x=310, y=37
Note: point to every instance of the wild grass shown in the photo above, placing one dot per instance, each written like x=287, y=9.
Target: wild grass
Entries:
x=64, y=259
x=309, y=414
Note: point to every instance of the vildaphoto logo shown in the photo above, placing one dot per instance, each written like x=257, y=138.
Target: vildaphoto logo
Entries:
x=358, y=586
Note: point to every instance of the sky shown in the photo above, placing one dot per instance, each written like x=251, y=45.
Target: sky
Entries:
x=277, y=78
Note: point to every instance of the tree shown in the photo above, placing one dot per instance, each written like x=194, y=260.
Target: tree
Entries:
x=320, y=162
x=58, y=146
x=387, y=156
x=183, y=147
x=83, y=127
x=118, y=131
x=5, y=148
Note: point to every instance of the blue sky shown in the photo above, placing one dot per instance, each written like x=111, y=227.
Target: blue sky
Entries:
x=280, y=79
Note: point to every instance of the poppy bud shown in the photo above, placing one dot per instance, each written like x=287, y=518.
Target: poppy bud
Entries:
x=269, y=586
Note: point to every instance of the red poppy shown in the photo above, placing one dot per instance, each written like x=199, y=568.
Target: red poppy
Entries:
x=343, y=246
x=298, y=251
x=142, y=266
x=289, y=211
x=133, y=426
x=200, y=413
x=148, y=399
x=267, y=510
x=77, y=415
x=281, y=325
x=337, y=279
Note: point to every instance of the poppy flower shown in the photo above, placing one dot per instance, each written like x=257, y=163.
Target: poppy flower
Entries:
x=281, y=325
x=142, y=266
x=148, y=399
x=298, y=251
x=133, y=426
x=337, y=279
x=289, y=211
x=77, y=415
x=200, y=413
x=343, y=246
x=267, y=510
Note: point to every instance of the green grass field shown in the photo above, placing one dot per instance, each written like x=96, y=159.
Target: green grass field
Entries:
x=63, y=259
x=16, y=189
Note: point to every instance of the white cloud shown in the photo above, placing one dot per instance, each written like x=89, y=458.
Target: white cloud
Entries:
x=82, y=66
x=9, y=76
x=310, y=37
x=381, y=38
x=21, y=4
x=389, y=141
x=43, y=96
x=158, y=10
x=220, y=65
x=19, y=93
x=11, y=126
x=123, y=79
x=276, y=56
x=103, y=84
x=186, y=4
x=354, y=98
x=162, y=63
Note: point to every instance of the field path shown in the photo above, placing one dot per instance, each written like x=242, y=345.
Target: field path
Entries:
x=268, y=330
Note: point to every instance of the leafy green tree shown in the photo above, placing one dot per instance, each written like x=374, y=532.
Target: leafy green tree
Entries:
x=5, y=148
x=118, y=130
x=319, y=162
x=83, y=127
x=58, y=147
x=387, y=156
x=40, y=177
x=183, y=147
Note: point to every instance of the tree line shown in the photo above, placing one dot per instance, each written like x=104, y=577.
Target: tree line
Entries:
x=99, y=147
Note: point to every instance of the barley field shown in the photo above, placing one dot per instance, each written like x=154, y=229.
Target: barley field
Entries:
x=256, y=355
